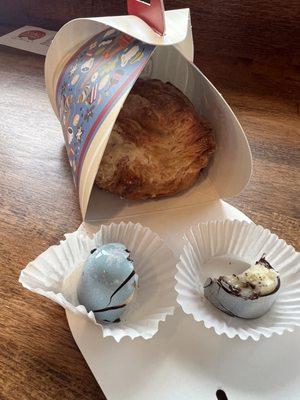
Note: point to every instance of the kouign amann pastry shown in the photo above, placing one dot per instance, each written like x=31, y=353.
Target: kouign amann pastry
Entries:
x=158, y=145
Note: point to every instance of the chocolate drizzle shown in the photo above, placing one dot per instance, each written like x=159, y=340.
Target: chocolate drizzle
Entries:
x=116, y=291
x=110, y=308
x=221, y=395
x=219, y=305
x=122, y=284
x=114, y=322
x=236, y=291
x=264, y=262
x=128, y=257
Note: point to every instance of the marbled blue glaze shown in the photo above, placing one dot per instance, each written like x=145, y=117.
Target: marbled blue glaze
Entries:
x=103, y=272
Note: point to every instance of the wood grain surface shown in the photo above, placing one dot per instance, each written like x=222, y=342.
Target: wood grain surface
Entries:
x=38, y=357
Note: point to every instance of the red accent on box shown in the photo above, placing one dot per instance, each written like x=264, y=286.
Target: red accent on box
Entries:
x=153, y=14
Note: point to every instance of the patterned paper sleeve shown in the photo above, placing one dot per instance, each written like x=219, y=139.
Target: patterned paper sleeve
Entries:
x=92, y=81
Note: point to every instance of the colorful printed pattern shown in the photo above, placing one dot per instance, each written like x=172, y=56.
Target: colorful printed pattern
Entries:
x=91, y=83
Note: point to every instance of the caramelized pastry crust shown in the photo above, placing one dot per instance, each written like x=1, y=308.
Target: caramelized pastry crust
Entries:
x=158, y=145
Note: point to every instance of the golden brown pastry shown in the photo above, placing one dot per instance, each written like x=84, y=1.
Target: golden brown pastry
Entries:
x=158, y=145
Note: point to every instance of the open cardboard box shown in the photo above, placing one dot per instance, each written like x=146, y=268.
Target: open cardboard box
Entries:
x=184, y=360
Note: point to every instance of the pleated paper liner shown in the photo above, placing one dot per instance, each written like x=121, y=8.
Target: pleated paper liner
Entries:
x=225, y=247
x=55, y=274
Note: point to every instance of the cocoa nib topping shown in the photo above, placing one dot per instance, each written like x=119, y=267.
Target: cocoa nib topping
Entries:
x=236, y=291
x=250, y=284
x=228, y=287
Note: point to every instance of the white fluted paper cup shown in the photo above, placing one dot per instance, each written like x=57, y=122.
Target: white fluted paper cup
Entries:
x=225, y=247
x=56, y=272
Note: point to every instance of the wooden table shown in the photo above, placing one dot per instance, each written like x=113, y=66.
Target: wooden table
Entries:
x=38, y=357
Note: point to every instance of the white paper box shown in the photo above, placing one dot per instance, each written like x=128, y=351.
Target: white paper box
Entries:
x=184, y=360
x=230, y=169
